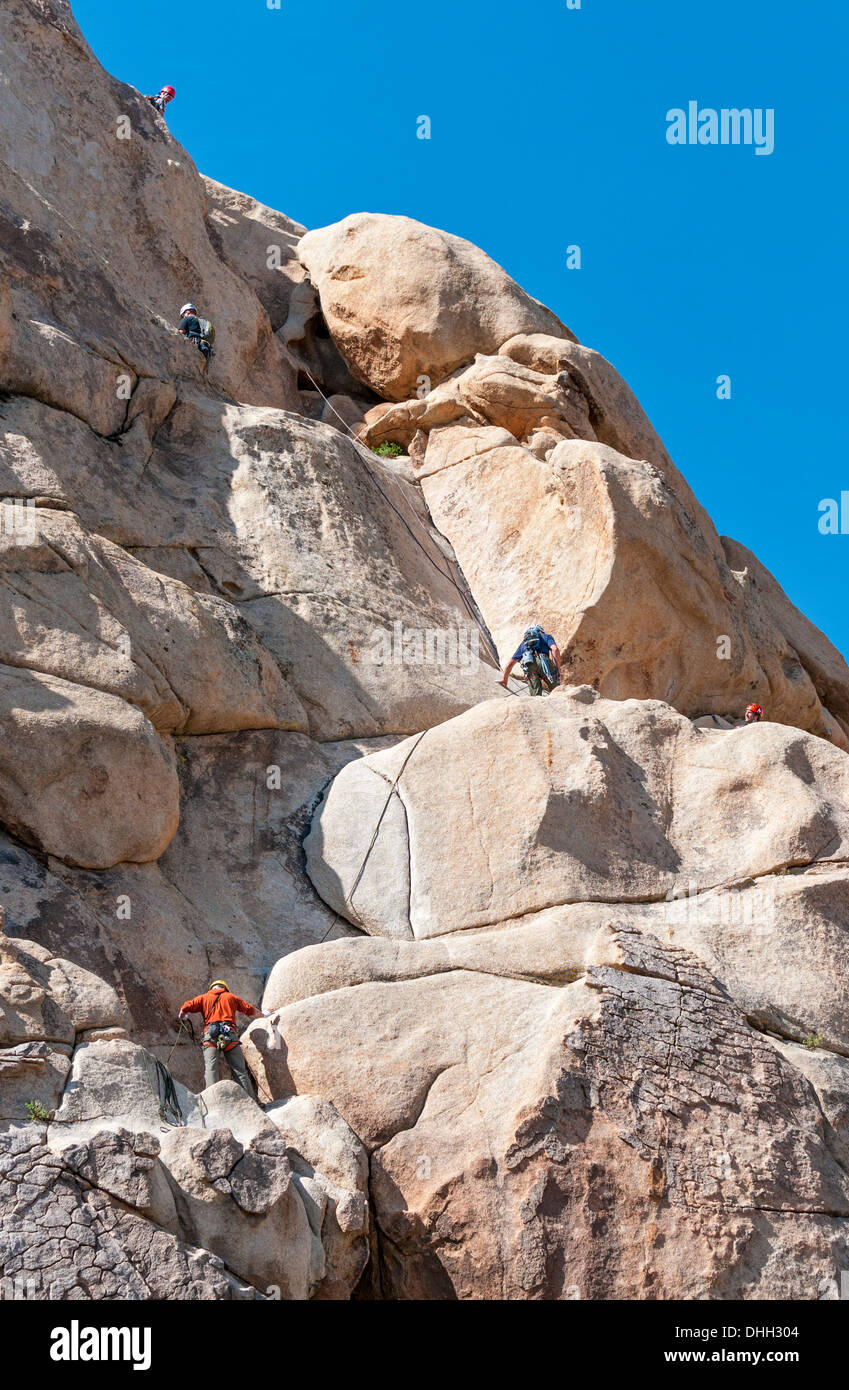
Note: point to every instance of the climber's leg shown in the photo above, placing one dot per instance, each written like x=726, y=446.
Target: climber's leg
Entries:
x=534, y=675
x=238, y=1069
x=211, y=1069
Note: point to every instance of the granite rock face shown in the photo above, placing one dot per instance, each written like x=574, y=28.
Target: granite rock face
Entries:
x=556, y=988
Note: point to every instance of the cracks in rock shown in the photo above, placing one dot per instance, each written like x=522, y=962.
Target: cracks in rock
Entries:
x=773, y=1029
x=349, y=898
x=193, y=550
x=794, y=867
x=71, y=1178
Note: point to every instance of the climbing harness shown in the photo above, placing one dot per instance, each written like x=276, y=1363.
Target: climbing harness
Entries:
x=222, y=1034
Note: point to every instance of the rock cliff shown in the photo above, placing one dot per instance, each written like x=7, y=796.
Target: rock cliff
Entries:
x=556, y=988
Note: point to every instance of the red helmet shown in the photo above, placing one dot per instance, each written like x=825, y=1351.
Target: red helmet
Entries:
x=169, y=91
x=757, y=710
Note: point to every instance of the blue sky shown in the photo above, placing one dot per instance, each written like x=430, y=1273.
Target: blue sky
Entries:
x=549, y=129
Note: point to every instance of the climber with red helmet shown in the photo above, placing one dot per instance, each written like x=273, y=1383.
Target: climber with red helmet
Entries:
x=754, y=713
x=162, y=99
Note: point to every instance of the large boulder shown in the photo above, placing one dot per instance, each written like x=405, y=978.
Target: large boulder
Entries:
x=404, y=301
x=78, y=607
x=83, y=774
x=229, y=1178
x=776, y=942
x=567, y=799
x=228, y=895
x=571, y=537
x=324, y=552
x=81, y=1225
x=609, y=1125
x=45, y=996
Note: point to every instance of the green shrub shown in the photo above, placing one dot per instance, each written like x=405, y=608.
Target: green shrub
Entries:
x=37, y=1112
x=389, y=449
x=812, y=1040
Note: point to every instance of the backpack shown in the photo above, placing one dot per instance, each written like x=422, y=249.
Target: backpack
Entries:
x=533, y=640
x=207, y=330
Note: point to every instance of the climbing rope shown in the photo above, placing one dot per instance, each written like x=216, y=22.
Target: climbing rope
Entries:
x=164, y=1088
x=364, y=457
x=162, y=1082
x=185, y=1026
x=263, y=1094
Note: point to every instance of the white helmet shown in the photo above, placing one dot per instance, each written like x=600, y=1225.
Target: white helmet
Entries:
x=188, y=309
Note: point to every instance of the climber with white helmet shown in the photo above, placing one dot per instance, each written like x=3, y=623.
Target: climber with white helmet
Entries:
x=539, y=656
x=161, y=100
x=198, y=331
x=220, y=1034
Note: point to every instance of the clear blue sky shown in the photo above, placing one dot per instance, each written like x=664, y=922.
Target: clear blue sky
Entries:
x=549, y=129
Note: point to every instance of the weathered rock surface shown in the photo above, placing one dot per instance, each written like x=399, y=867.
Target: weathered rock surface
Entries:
x=404, y=301
x=228, y=897
x=569, y=799
x=594, y=1043
x=320, y=552
x=611, y=1129
x=234, y=1181
x=569, y=536
x=83, y=609
x=75, y=1226
x=93, y=173
x=222, y=1176
x=543, y=524
x=83, y=775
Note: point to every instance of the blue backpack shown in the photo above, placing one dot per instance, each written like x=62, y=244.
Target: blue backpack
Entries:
x=536, y=652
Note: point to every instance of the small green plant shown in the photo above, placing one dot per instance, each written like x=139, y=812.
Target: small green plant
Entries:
x=37, y=1112
x=389, y=449
x=812, y=1040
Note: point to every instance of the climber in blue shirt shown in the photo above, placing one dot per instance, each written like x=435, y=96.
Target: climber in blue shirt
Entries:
x=539, y=656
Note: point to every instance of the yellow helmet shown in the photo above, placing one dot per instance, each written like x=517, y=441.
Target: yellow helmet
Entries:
x=220, y=983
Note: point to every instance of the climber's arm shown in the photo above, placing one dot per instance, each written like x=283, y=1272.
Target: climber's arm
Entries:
x=507, y=669
x=248, y=1010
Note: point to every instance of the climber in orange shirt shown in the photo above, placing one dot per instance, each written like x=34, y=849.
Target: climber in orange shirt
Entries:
x=220, y=1034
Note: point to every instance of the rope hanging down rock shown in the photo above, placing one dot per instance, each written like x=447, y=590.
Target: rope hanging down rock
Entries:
x=162, y=1082
x=446, y=573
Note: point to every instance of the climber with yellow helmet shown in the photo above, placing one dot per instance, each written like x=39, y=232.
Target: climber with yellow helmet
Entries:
x=220, y=1034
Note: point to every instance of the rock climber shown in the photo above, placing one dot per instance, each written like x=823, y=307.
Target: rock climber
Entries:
x=198, y=331
x=220, y=1035
x=539, y=656
x=754, y=713
x=162, y=99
